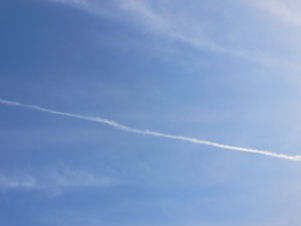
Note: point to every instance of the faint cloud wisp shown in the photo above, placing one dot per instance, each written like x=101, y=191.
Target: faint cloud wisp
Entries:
x=55, y=180
x=281, y=9
x=167, y=25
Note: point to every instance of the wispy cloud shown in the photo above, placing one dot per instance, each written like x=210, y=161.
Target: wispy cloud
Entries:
x=54, y=180
x=184, y=30
x=282, y=9
x=78, y=3
x=17, y=182
x=169, y=26
x=152, y=133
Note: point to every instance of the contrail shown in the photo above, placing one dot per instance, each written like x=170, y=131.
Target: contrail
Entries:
x=152, y=133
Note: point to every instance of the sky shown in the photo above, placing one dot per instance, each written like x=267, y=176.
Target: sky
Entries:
x=221, y=71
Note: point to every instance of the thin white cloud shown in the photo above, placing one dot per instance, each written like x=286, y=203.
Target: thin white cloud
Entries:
x=78, y=3
x=54, y=180
x=163, y=24
x=288, y=13
x=168, y=26
x=197, y=38
x=17, y=182
x=147, y=15
x=153, y=133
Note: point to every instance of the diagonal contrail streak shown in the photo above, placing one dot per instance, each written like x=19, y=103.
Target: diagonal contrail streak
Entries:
x=152, y=133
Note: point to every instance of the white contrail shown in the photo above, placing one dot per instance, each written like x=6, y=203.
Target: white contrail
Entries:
x=152, y=133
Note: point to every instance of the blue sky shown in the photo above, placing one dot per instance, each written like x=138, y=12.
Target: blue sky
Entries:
x=225, y=71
